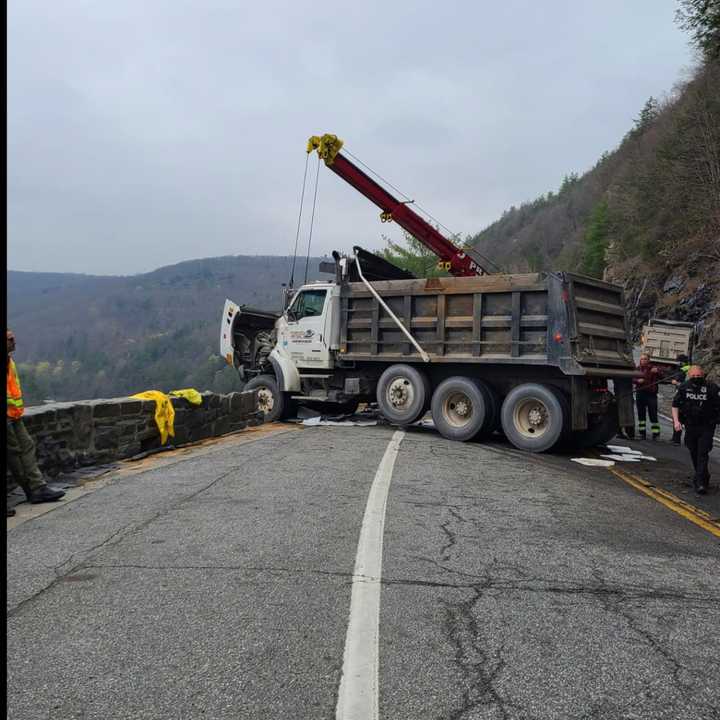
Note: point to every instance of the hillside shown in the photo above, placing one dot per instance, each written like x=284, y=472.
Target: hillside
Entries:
x=647, y=215
x=83, y=336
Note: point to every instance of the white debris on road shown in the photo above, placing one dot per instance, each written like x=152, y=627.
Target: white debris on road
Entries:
x=593, y=462
x=623, y=450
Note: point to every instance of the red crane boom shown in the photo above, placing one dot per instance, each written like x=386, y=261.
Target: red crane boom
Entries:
x=457, y=261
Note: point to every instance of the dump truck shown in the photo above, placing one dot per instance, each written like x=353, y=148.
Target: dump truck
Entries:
x=665, y=340
x=529, y=354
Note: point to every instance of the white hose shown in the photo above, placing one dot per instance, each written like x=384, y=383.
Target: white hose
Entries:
x=423, y=354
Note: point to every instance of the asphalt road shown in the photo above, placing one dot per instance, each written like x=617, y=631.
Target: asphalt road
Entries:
x=218, y=584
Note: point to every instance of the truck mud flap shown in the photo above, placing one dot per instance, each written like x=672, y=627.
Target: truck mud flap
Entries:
x=624, y=399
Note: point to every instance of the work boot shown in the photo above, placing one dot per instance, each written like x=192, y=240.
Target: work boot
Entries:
x=655, y=436
x=45, y=494
x=642, y=435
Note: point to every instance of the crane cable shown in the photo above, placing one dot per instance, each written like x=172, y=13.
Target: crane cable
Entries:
x=312, y=218
x=420, y=208
x=297, y=234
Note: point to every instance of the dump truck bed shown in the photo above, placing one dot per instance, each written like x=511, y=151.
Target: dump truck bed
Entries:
x=561, y=319
x=664, y=340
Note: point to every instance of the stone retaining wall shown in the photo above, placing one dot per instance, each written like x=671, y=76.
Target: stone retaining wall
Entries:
x=94, y=432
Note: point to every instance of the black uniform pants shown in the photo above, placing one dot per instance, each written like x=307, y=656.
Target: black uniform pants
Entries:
x=646, y=404
x=699, y=441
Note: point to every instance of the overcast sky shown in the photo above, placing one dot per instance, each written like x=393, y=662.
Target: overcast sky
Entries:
x=146, y=132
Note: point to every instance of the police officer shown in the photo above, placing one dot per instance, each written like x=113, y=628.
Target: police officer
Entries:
x=677, y=379
x=697, y=407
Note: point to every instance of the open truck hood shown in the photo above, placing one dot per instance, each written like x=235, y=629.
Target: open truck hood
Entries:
x=239, y=329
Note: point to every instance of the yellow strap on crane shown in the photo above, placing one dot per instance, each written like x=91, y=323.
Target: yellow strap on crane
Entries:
x=327, y=146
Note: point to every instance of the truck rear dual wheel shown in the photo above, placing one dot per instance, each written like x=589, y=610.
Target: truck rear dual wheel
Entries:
x=534, y=417
x=403, y=393
x=463, y=408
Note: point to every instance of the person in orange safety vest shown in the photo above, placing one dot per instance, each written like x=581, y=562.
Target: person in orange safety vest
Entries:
x=20, y=446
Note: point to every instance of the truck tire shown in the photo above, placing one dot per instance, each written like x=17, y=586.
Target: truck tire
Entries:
x=460, y=408
x=492, y=409
x=271, y=400
x=534, y=417
x=402, y=394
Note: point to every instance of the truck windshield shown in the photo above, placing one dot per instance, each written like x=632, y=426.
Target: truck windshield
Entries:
x=309, y=303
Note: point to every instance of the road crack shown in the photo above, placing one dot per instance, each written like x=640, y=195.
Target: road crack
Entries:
x=112, y=540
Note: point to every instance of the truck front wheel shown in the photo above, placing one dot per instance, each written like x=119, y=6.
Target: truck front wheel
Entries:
x=533, y=417
x=460, y=409
x=271, y=401
x=402, y=394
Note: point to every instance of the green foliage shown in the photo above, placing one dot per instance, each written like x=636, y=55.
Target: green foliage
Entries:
x=413, y=256
x=596, y=241
x=648, y=115
x=567, y=183
x=701, y=18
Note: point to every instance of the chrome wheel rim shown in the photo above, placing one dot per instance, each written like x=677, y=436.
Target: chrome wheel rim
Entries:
x=266, y=401
x=400, y=394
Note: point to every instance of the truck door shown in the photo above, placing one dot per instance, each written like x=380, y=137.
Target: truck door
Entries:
x=304, y=335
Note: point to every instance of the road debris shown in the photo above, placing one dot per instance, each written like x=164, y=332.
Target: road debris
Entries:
x=593, y=462
x=623, y=450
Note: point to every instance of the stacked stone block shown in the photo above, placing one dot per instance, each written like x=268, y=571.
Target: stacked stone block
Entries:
x=94, y=432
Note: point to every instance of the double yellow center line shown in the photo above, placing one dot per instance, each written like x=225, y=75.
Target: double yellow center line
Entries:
x=674, y=503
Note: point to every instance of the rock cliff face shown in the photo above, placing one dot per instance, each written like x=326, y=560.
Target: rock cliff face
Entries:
x=684, y=287
x=646, y=216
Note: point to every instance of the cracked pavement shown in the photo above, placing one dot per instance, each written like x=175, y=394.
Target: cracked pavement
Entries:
x=219, y=586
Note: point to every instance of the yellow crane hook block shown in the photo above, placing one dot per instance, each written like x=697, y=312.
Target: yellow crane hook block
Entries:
x=327, y=146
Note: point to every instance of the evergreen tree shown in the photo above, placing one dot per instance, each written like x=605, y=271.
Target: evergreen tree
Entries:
x=648, y=115
x=412, y=256
x=701, y=18
x=596, y=241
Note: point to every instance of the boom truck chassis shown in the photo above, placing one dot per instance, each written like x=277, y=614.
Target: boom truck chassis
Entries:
x=530, y=354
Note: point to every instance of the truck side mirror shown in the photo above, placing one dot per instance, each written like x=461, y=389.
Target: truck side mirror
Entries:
x=288, y=294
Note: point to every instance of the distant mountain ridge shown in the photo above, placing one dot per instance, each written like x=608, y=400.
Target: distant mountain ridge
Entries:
x=86, y=336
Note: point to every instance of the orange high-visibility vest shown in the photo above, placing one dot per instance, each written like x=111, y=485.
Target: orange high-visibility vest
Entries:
x=15, y=407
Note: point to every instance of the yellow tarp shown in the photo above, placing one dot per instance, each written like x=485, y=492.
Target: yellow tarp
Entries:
x=190, y=394
x=164, y=412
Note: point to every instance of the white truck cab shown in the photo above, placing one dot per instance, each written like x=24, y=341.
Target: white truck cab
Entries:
x=285, y=354
x=305, y=329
